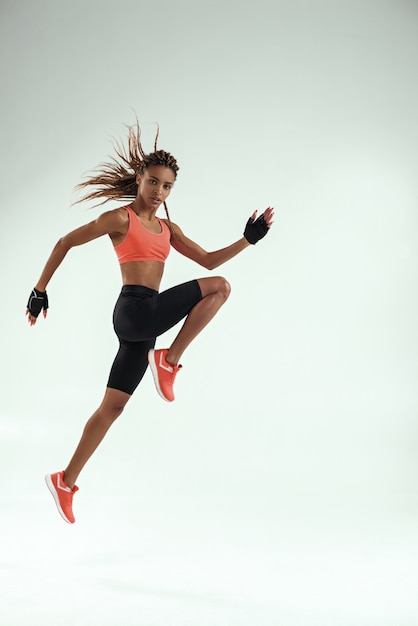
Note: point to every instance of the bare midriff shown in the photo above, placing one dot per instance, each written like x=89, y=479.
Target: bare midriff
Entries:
x=145, y=273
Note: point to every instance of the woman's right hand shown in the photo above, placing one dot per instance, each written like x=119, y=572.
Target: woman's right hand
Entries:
x=38, y=301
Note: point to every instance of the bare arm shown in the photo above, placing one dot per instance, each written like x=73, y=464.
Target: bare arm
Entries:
x=211, y=260
x=109, y=223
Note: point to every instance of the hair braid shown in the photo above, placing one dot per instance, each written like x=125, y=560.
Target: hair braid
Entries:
x=116, y=180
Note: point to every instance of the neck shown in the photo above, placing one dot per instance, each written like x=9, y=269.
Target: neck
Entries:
x=140, y=208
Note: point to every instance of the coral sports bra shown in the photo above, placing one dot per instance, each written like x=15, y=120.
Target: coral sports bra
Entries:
x=142, y=245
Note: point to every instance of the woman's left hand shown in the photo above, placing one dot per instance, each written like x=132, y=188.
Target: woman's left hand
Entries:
x=258, y=227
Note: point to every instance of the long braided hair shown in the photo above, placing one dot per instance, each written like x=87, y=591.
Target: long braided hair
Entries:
x=116, y=180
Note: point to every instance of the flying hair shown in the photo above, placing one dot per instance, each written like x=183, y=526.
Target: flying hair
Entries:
x=116, y=179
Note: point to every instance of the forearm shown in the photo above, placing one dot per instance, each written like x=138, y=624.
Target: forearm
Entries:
x=218, y=257
x=54, y=261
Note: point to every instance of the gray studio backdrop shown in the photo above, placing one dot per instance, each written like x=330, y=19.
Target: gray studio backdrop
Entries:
x=280, y=487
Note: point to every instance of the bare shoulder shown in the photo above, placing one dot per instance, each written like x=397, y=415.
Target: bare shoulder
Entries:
x=174, y=228
x=114, y=222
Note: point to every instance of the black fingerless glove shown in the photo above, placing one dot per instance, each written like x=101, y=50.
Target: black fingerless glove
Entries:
x=255, y=229
x=38, y=300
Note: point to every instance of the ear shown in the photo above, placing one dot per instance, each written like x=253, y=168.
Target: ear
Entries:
x=138, y=179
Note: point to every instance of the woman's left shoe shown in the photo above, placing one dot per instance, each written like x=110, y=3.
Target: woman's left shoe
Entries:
x=62, y=494
x=164, y=374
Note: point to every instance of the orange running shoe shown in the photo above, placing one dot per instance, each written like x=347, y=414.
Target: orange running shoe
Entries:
x=164, y=374
x=62, y=494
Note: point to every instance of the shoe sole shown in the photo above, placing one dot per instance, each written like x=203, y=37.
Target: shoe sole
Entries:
x=53, y=491
x=154, y=371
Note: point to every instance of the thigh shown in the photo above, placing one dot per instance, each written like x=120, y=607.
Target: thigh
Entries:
x=174, y=304
x=138, y=319
x=130, y=365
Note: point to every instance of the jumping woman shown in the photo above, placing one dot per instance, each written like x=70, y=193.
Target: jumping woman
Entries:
x=142, y=243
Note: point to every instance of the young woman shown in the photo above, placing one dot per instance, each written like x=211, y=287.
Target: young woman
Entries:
x=142, y=243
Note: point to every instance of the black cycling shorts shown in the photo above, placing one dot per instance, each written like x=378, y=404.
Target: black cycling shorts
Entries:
x=140, y=316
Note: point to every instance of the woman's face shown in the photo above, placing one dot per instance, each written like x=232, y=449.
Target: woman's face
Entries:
x=155, y=184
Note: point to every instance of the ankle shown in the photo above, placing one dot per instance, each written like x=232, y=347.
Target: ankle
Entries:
x=68, y=482
x=171, y=359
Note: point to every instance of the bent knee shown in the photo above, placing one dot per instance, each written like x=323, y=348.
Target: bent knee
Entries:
x=223, y=287
x=215, y=286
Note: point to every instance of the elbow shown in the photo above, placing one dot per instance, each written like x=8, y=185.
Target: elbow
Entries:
x=209, y=266
x=63, y=245
x=209, y=263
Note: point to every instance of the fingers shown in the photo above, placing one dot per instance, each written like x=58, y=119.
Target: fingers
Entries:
x=31, y=319
x=268, y=216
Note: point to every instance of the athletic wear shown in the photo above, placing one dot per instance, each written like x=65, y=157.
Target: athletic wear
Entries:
x=38, y=300
x=256, y=229
x=142, y=314
x=164, y=374
x=62, y=494
x=142, y=245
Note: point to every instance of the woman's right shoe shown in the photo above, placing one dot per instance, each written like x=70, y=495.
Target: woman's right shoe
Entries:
x=62, y=494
